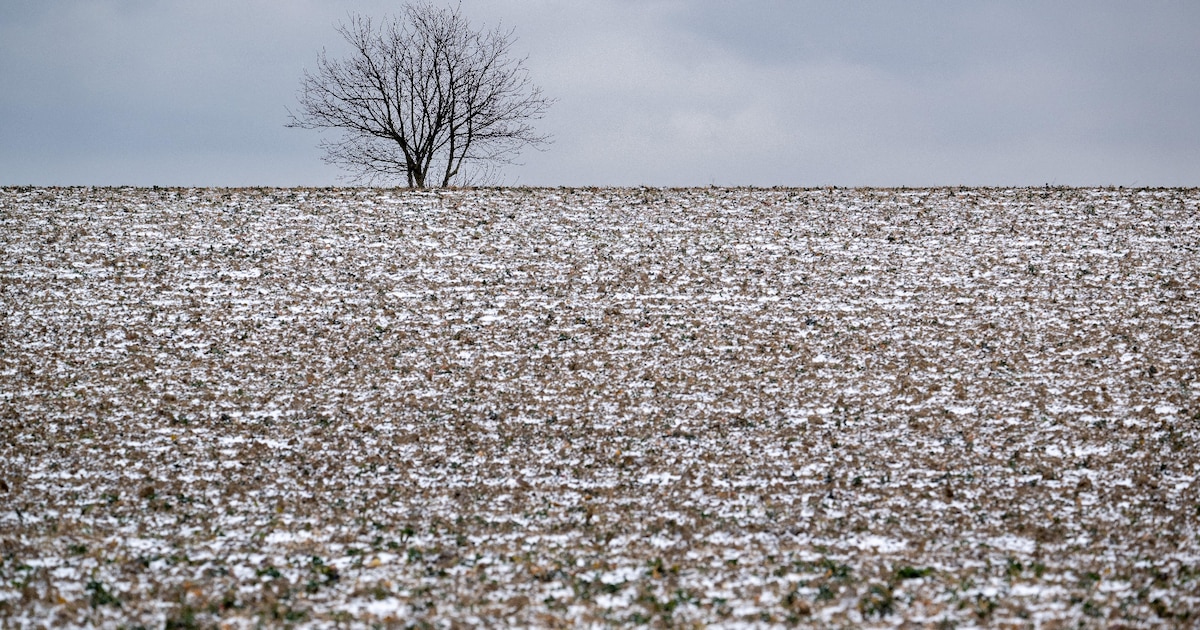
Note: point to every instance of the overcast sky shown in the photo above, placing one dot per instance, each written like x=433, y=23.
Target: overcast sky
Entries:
x=754, y=92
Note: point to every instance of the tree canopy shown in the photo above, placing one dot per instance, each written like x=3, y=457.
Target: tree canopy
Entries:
x=422, y=98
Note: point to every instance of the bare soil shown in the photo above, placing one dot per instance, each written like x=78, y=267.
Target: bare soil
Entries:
x=558, y=407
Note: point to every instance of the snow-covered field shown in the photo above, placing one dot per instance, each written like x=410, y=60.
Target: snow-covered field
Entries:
x=571, y=407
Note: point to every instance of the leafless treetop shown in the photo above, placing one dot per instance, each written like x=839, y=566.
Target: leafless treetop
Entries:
x=422, y=97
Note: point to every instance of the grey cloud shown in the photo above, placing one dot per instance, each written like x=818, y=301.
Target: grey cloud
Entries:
x=662, y=92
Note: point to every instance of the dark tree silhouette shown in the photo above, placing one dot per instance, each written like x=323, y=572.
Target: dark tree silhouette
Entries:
x=423, y=98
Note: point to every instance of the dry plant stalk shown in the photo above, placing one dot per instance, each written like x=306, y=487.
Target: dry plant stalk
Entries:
x=563, y=407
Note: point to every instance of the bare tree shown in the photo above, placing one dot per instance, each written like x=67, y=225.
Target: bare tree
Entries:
x=422, y=97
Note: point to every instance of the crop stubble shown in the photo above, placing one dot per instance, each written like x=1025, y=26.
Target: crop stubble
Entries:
x=557, y=406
